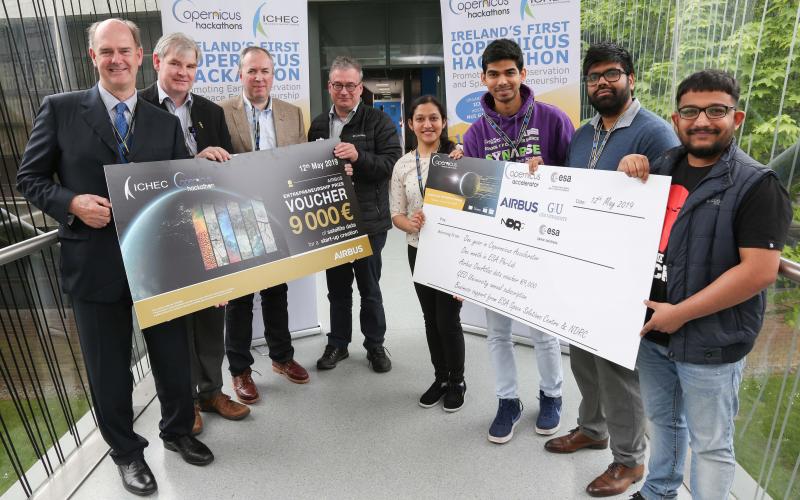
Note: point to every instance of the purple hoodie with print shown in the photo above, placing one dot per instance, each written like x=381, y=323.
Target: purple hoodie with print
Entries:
x=548, y=135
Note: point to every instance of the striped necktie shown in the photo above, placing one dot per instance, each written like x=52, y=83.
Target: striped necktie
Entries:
x=121, y=126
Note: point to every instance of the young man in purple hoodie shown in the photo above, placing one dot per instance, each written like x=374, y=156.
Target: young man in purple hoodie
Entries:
x=515, y=127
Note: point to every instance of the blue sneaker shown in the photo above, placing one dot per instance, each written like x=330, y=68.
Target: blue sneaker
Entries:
x=549, y=417
x=508, y=413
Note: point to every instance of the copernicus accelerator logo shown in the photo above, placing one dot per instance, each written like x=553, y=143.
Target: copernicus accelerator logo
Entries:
x=262, y=19
x=187, y=12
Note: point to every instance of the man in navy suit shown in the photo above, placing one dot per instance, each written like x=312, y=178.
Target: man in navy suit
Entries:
x=74, y=135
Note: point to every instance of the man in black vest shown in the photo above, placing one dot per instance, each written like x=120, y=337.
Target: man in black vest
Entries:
x=74, y=135
x=726, y=221
x=206, y=135
x=370, y=144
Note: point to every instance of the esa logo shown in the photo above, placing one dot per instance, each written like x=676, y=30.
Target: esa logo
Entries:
x=556, y=177
x=523, y=205
x=516, y=225
x=549, y=231
x=348, y=252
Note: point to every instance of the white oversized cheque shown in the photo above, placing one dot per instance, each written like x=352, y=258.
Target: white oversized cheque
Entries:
x=568, y=251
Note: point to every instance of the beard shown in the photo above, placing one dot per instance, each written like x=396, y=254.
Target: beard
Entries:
x=613, y=103
x=708, y=151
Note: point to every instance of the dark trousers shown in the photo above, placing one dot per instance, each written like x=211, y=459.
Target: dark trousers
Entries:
x=442, y=314
x=205, y=330
x=106, y=335
x=611, y=405
x=367, y=273
x=239, y=328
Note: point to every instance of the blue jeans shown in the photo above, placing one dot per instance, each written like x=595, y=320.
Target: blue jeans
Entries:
x=501, y=350
x=688, y=405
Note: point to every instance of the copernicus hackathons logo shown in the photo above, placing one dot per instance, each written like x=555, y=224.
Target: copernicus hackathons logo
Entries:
x=187, y=12
x=475, y=9
x=261, y=19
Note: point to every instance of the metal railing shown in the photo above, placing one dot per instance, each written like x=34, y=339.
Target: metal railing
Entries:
x=45, y=409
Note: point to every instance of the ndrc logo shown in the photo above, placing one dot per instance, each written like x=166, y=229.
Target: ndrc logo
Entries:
x=262, y=18
x=138, y=187
x=185, y=11
x=348, y=252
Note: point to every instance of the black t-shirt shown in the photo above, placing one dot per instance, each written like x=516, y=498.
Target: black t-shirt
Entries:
x=761, y=221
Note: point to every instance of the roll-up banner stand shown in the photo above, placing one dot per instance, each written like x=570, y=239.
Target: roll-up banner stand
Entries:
x=549, y=33
x=222, y=30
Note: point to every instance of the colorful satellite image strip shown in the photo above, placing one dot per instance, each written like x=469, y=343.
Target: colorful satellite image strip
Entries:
x=232, y=232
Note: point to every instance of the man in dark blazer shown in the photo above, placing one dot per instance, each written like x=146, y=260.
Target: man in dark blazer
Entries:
x=74, y=135
x=206, y=135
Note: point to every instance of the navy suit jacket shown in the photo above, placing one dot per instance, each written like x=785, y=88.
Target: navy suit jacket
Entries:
x=71, y=140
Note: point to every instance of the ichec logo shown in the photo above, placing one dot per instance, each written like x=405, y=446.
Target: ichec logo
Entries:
x=525, y=9
x=261, y=19
x=131, y=187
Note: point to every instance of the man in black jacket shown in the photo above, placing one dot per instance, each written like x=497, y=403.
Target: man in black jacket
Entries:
x=206, y=135
x=371, y=146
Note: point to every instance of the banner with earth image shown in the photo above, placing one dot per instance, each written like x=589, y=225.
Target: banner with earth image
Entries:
x=196, y=233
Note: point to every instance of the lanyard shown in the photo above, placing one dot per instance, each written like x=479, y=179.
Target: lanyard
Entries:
x=419, y=177
x=597, y=146
x=257, y=129
x=522, y=129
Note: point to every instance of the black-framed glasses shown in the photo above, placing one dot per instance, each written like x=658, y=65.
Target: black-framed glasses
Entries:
x=350, y=87
x=713, y=112
x=611, y=76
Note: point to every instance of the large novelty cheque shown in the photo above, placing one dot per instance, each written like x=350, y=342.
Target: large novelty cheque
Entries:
x=568, y=251
x=196, y=233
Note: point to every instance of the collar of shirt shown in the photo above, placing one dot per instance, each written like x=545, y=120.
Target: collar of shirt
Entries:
x=248, y=106
x=162, y=96
x=624, y=121
x=110, y=102
x=267, y=136
x=333, y=116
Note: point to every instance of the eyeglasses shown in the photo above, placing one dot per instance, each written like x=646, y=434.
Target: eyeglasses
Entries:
x=350, y=87
x=713, y=112
x=611, y=76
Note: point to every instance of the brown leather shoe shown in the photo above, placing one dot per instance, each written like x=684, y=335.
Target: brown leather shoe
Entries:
x=245, y=388
x=615, y=480
x=573, y=442
x=222, y=404
x=197, y=427
x=291, y=370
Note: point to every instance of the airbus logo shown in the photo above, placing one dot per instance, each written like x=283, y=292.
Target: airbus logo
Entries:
x=348, y=252
x=131, y=187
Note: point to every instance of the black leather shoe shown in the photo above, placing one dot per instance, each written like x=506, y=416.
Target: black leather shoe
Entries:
x=378, y=359
x=191, y=449
x=137, y=478
x=331, y=356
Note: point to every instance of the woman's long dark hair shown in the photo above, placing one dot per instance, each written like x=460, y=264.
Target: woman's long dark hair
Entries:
x=445, y=144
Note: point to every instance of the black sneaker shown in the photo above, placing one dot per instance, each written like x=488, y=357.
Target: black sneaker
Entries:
x=331, y=356
x=378, y=359
x=454, y=399
x=434, y=394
